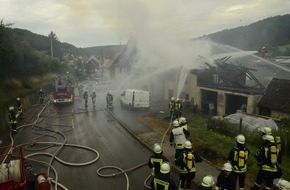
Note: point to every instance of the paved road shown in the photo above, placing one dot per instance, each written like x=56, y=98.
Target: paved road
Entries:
x=95, y=129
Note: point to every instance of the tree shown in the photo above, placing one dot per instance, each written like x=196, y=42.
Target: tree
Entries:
x=52, y=36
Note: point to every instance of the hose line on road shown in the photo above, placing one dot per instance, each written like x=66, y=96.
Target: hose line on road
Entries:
x=161, y=144
x=41, y=118
x=122, y=172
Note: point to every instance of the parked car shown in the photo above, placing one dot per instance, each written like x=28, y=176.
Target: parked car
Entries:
x=135, y=99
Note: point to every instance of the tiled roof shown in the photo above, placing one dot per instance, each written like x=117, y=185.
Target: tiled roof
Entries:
x=277, y=95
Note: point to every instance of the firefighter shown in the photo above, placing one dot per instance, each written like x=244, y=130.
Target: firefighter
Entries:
x=171, y=106
x=163, y=180
x=19, y=109
x=156, y=160
x=282, y=184
x=186, y=161
x=41, y=96
x=86, y=96
x=80, y=89
x=238, y=157
x=93, y=96
x=268, y=131
x=207, y=183
x=178, y=136
x=183, y=123
x=12, y=119
x=226, y=179
x=178, y=108
x=269, y=159
x=109, y=99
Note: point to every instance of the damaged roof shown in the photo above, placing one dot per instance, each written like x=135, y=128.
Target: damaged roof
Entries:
x=277, y=96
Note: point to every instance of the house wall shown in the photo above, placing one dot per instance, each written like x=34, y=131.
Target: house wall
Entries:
x=194, y=92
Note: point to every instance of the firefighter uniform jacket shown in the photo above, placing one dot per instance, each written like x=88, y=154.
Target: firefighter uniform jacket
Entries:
x=178, y=106
x=269, y=158
x=178, y=136
x=163, y=183
x=155, y=162
x=12, y=117
x=171, y=105
x=187, y=161
x=109, y=98
x=238, y=158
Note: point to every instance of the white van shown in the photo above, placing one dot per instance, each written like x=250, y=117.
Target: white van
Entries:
x=139, y=99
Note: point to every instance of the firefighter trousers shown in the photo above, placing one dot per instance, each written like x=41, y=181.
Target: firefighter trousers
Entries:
x=266, y=176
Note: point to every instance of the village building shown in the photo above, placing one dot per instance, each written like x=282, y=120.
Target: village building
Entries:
x=220, y=89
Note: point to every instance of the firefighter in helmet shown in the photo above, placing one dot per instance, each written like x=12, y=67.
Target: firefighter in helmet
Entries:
x=207, y=183
x=269, y=159
x=156, y=160
x=19, y=109
x=183, y=122
x=238, y=157
x=186, y=161
x=178, y=108
x=12, y=119
x=171, y=106
x=178, y=136
x=93, y=96
x=163, y=180
x=226, y=179
x=41, y=96
x=268, y=131
x=86, y=96
x=109, y=99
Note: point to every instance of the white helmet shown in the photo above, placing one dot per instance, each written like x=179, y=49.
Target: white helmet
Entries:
x=18, y=99
x=187, y=144
x=172, y=98
x=157, y=148
x=11, y=108
x=269, y=138
x=177, y=100
x=175, y=123
x=165, y=168
x=228, y=167
x=207, y=181
x=267, y=131
x=241, y=139
x=182, y=120
x=282, y=184
x=40, y=90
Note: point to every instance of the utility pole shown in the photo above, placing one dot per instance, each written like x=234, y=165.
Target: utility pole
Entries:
x=52, y=36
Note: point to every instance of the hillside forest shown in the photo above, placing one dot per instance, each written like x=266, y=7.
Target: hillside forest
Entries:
x=27, y=59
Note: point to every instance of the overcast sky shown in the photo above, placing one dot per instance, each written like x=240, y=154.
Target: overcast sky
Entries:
x=86, y=23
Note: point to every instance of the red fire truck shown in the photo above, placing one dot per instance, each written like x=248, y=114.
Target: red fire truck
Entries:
x=63, y=90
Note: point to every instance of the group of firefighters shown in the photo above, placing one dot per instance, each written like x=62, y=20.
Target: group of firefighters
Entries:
x=93, y=95
x=269, y=158
x=16, y=115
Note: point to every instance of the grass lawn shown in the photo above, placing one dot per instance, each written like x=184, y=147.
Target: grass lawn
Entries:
x=215, y=147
